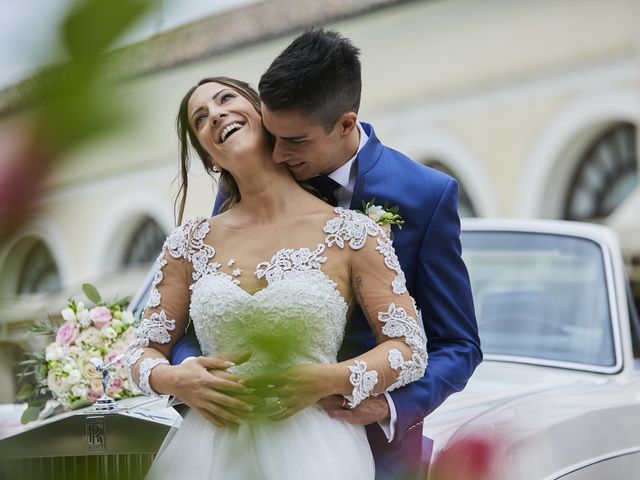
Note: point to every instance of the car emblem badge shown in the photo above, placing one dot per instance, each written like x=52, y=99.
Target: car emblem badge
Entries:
x=96, y=438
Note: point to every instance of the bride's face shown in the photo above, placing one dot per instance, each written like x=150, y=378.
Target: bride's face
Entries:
x=226, y=124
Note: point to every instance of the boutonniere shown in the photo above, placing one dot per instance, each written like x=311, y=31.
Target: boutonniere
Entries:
x=384, y=216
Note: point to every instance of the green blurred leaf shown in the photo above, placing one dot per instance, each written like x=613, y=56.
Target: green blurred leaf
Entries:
x=28, y=362
x=91, y=293
x=80, y=404
x=45, y=326
x=30, y=414
x=92, y=26
x=26, y=390
x=124, y=301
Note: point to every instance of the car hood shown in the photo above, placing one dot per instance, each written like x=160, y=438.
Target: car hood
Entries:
x=539, y=421
x=496, y=388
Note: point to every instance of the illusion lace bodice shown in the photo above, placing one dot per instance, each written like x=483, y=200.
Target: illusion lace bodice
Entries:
x=299, y=316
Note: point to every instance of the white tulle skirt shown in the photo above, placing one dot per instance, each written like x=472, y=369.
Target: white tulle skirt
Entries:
x=307, y=446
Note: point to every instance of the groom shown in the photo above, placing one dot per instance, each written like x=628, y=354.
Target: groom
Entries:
x=310, y=99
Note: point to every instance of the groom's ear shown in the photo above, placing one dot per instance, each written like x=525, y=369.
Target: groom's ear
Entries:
x=347, y=122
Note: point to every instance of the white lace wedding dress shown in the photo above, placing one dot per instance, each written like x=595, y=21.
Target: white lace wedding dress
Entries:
x=301, y=314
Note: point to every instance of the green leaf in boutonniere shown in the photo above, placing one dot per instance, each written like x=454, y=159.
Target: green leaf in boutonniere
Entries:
x=385, y=216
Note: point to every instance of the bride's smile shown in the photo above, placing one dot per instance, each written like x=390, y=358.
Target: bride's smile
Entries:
x=227, y=125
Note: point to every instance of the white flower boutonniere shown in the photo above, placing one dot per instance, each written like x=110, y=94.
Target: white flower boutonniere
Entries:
x=385, y=216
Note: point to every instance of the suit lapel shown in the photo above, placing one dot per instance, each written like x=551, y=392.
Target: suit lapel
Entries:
x=366, y=161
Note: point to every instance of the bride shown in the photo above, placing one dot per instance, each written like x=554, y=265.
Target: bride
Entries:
x=275, y=275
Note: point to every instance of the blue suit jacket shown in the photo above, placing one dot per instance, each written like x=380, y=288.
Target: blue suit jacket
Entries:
x=428, y=247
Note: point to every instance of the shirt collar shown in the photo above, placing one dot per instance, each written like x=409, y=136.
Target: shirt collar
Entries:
x=343, y=174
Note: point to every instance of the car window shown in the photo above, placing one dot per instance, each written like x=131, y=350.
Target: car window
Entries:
x=540, y=296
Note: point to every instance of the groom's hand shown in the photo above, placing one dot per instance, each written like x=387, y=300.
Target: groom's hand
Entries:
x=370, y=410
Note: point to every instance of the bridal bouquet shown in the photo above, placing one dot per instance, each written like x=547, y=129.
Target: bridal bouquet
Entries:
x=62, y=375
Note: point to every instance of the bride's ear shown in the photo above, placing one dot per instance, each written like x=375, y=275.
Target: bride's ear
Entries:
x=212, y=163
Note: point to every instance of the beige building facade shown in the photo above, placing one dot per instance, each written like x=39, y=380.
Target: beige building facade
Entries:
x=532, y=106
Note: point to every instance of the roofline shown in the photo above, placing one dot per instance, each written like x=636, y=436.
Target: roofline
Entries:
x=235, y=29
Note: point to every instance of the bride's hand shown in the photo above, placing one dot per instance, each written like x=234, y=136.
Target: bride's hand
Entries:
x=295, y=388
x=204, y=384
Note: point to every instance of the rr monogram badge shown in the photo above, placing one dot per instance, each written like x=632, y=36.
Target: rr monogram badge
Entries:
x=96, y=438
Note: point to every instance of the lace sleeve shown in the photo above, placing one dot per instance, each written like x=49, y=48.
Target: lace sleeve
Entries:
x=166, y=315
x=378, y=285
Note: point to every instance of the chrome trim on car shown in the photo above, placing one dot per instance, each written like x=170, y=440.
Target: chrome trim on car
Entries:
x=592, y=461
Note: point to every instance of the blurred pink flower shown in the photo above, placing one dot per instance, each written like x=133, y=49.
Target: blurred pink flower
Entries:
x=67, y=333
x=111, y=356
x=93, y=395
x=100, y=316
x=468, y=458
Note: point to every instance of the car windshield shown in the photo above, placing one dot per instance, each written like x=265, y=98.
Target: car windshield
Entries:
x=540, y=296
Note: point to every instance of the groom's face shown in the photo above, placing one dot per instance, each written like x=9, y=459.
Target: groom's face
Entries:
x=304, y=146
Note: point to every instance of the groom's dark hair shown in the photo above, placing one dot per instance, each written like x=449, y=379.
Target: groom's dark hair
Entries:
x=318, y=74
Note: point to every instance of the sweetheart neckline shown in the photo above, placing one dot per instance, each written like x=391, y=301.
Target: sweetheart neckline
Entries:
x=230, y=280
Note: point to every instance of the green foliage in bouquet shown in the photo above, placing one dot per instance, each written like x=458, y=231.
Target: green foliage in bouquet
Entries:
x=62, y=377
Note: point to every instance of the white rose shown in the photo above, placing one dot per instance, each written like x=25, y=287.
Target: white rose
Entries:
x=79, y=390
x=56, y=384
x=127, y=317
x=74, y=377
x=116, y=324
x=54, y=352
x=80, y=307
x=83, y=318
x=68, y=315
x=89, y=337
x=108, y=332
x=374, y=212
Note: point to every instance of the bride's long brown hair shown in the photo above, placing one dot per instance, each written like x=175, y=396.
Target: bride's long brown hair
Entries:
x=188, y=142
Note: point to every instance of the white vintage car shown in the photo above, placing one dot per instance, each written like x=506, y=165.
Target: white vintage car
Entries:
x=558, y=394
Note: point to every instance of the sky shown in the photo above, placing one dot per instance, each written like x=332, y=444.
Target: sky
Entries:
x=28, y=29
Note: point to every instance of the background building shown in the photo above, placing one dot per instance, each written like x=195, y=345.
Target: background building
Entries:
x=532, y=106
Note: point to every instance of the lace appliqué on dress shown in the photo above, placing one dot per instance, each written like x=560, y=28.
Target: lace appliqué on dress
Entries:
x=290, y=260
x=354, y=227
x=363, y=381
x=199, y=253
x=397, y=324
x=154, y=296
x=178, y=246
x=132, y=355
x=385, y=247
x=146, y=366
x=153, y=329
x=156, y=328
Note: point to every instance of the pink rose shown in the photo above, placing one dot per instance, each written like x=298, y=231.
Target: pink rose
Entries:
x=116, y=383
x=100, y=316
x=67, y=333
x=93, y=395
x=111, y=356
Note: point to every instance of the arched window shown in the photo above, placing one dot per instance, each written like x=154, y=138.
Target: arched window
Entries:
x=144, y=244
x=39, y=272
x=465, y=207
x=606, y=174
